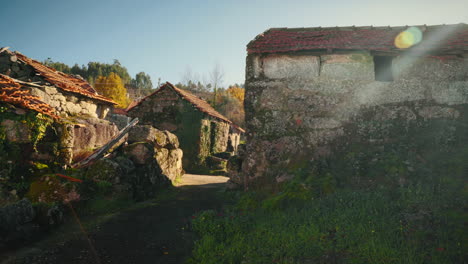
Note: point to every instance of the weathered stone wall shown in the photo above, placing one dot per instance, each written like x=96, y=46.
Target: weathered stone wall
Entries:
x=92, y=133
x=219, y=136
x=120, y=121
x=68, y=104
x=300, y=107
x=199, y=134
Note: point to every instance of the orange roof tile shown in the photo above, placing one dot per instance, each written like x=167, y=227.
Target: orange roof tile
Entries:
x=64, y=81
x=197, y=102
x=11, y=92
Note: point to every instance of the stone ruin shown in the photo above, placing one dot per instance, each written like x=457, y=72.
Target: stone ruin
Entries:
x=348, y=101
x=207, y=138
x=51, y=119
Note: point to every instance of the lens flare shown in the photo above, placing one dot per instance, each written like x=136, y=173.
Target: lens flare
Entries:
x=408, y=38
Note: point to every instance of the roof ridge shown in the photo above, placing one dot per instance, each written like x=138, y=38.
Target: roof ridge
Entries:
x=378, y=38
x=196, y=101
x=370, y=26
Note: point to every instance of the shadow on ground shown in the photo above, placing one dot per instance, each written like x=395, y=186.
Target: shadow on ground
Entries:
x=156, y=231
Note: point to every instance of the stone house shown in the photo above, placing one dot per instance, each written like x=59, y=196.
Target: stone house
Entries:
x=70, y=99
x=201, y=130
x=318, y=95
x=69, y=95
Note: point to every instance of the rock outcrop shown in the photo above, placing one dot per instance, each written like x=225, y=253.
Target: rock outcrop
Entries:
x=150, y=161
x=147, y=143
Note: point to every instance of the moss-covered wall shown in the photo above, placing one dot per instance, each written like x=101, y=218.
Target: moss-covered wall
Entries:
x=199, y=135
x=219, y=136
x=25, y=137
x=295, y=120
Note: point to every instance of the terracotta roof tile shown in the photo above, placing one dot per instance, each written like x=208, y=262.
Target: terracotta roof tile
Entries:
x=441, y=38
x=11, y=92
x=64, y=81
x=198, y=103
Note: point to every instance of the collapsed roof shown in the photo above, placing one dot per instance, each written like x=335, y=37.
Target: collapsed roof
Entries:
x=66, y=82
x=12, y=92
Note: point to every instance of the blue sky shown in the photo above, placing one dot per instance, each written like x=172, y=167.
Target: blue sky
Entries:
x=164, y=38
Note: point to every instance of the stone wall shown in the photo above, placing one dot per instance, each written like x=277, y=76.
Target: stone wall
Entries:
x=68, y=104
x=92, y=133
x=301, y=108
x=219, y=136
x=200, y=135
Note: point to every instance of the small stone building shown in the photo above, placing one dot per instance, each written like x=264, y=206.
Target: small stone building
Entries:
x=69, y=95
x=201, y=130
x=322, y=96
x=70, y=99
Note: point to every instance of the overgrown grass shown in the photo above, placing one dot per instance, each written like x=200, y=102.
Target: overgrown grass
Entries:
x=420, y=223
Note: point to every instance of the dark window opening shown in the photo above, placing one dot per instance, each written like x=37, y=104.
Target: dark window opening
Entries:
x=383, y=68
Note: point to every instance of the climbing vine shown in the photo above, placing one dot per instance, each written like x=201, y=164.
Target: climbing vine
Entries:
x=36, y=122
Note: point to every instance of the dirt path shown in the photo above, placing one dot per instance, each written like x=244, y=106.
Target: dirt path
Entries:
x=155, y=232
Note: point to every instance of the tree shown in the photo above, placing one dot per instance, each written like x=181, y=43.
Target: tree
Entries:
x=59, y=66
x=112, y=87
x=237, y=92
x=142, y=81
x=217, y=78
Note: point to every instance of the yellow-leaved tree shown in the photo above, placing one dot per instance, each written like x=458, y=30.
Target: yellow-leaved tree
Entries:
x=112, y=87
x=237, y=92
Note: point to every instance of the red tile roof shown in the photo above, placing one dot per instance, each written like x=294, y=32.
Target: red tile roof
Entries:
x=64, y=81
x=11, y=92
x=441, y=38
x=197, y=102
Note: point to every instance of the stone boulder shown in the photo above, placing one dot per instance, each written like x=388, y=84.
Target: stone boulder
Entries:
x=147, y=142
x=149, y=134
x=173, y=141
x=140, y=153
x=170, y=161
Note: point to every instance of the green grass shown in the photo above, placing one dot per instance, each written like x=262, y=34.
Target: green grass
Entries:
x=422, y=223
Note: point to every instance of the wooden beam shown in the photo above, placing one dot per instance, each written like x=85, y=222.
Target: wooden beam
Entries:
x=99, y=153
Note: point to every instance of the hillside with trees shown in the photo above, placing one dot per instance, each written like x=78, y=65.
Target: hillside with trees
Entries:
x=114, y=81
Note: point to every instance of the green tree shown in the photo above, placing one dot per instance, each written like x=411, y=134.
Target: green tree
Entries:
x=59, y=66
x=142, y=81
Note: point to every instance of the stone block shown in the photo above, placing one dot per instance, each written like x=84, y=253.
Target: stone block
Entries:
x=291, y=67
x=16, y=131
x=443, y=68
x=147, y=133
x=358, y=66
x=450, y=93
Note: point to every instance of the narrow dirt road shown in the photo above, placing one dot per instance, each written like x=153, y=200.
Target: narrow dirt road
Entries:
x=157, y=232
